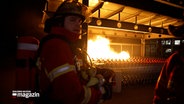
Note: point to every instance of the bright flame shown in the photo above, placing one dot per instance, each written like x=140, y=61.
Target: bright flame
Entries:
x=100, y=49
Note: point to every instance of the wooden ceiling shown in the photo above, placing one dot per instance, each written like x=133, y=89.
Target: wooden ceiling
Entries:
x=144, y=12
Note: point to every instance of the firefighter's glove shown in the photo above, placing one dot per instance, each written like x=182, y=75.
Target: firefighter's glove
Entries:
x=92, y=81
x=92, y=72
x=97, y=80
x=87, y=73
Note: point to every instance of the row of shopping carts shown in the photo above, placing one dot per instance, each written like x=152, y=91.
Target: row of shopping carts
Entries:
x=140, y=75
x=135, y=71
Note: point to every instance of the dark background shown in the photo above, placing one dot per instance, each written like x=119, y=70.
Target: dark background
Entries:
x=18, y=17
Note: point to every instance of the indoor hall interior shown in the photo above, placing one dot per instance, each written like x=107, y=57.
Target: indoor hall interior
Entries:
x=133, y=33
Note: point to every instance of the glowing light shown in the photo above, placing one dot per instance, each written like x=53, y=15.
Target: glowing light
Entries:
x=119, y=24
x=99, y=48
x=136, y=27
x=99, y=22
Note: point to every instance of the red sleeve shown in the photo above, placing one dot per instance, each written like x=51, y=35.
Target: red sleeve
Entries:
x=66, y=88
x=161, y=91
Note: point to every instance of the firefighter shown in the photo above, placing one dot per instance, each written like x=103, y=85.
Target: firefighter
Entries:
x=25, y=69
x=169, y=88
x=59, y=75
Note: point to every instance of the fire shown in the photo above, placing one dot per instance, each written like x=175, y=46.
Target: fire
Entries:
x=100, y=49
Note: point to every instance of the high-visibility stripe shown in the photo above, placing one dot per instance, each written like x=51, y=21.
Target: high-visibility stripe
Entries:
x=27, y=46
x=59, y=71
x=87, y=95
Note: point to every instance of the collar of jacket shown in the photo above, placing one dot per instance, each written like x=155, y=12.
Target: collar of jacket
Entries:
x=73, y=37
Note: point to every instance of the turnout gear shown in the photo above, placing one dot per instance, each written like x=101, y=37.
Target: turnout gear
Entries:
x=169, y=86
x=89, y=76
x=64, y=76
x=25, y=68
x=59, y=80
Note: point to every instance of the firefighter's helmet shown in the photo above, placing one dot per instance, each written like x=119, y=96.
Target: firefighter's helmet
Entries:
x=67, y=7
x=72, y=7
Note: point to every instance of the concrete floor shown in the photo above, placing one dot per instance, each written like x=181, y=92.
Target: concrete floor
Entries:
x=133, y=95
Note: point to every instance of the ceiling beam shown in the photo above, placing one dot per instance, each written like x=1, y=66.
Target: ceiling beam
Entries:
x=115, y=12
x=171, y=4
x=146, y=19
x=152, y=6
x=97, y=7
x=126, y=26
x=132, y=15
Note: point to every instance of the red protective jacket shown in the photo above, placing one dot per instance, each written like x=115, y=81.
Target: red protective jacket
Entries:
x=169, y=88
x=59, y=81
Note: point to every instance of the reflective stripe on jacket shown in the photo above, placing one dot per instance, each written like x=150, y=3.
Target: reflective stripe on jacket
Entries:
x=58, y=71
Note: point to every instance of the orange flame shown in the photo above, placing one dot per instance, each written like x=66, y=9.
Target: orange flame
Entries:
x=100, y=49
